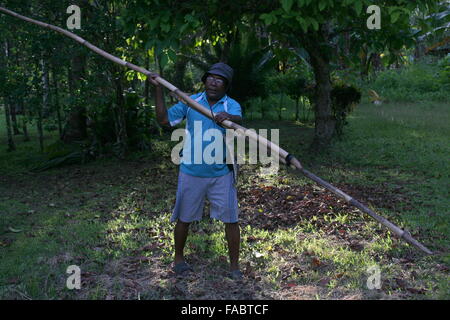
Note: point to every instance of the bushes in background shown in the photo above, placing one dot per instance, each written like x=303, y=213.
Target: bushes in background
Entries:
x=417, y=82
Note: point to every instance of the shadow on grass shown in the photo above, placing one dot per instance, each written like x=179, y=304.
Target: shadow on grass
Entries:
x=111, y=219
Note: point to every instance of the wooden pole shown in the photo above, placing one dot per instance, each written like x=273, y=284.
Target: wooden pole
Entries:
x=283, y=155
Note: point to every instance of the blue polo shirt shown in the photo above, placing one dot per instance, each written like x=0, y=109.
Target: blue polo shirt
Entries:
x=203, y=132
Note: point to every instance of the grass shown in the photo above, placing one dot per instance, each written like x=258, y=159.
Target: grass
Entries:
x=111, y=218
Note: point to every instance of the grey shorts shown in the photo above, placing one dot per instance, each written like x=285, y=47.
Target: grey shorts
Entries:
x=220, y=191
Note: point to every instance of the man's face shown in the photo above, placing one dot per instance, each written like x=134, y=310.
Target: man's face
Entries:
x=215, y=87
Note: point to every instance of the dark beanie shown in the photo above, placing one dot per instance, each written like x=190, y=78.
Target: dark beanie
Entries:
x=220, y=69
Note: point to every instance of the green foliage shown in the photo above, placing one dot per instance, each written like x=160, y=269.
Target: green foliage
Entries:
x=294, y=85
x=61, y=154
x=253, y=36
x=444, y=71
x=251, y=64
x=141, y=122
x=58, y=149
x=344, y=99
x=416, y=82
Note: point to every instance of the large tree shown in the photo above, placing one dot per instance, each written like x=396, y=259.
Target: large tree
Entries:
x=169, y=33
x=315, y=25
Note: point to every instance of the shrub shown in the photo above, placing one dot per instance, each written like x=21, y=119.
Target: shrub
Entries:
x=344, y=98
x=417, y=82
x=444, y=72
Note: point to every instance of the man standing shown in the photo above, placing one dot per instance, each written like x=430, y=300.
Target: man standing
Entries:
x=198, y=180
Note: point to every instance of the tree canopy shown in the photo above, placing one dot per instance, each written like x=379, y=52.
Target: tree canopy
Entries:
x=46, y=75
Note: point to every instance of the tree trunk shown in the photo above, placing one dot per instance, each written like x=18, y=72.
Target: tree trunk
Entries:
x=160, y=70
x=364, y=63
x=14, y=118
x=376, y=62
x=24, y=121
x=75, y=128
x=419, y=50
x=69, y=79
x=57, y=106
x=39, y=128
x=296, y=109
x=13, y=58
x=225, y=52
x=46, y=89
x=11, y=145
x=280, y=107
x=324, y=120
x=305, y=110
x=147, y=83
x=120, y=118
x=180, y=70
x=42, y=107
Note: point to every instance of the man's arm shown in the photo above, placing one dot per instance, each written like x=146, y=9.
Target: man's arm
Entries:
x=161, y=111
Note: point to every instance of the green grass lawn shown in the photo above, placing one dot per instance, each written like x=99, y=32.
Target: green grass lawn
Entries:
x=111, y=218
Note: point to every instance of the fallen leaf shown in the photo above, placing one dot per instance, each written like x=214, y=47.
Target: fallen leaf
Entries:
x=324, y=281
x=441, y=267
x=401, y=283
x=416, y=290
x=316, y=262
x=356, y=246
x=148, y=247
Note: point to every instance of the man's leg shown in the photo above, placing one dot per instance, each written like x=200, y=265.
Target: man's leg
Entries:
x=232, y=234
x=180, y=236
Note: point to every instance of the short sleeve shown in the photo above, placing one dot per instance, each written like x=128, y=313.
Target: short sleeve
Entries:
x=177, y=113
x=234, y=108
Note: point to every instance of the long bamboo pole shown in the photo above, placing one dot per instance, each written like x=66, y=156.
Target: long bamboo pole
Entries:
x=283, y=155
